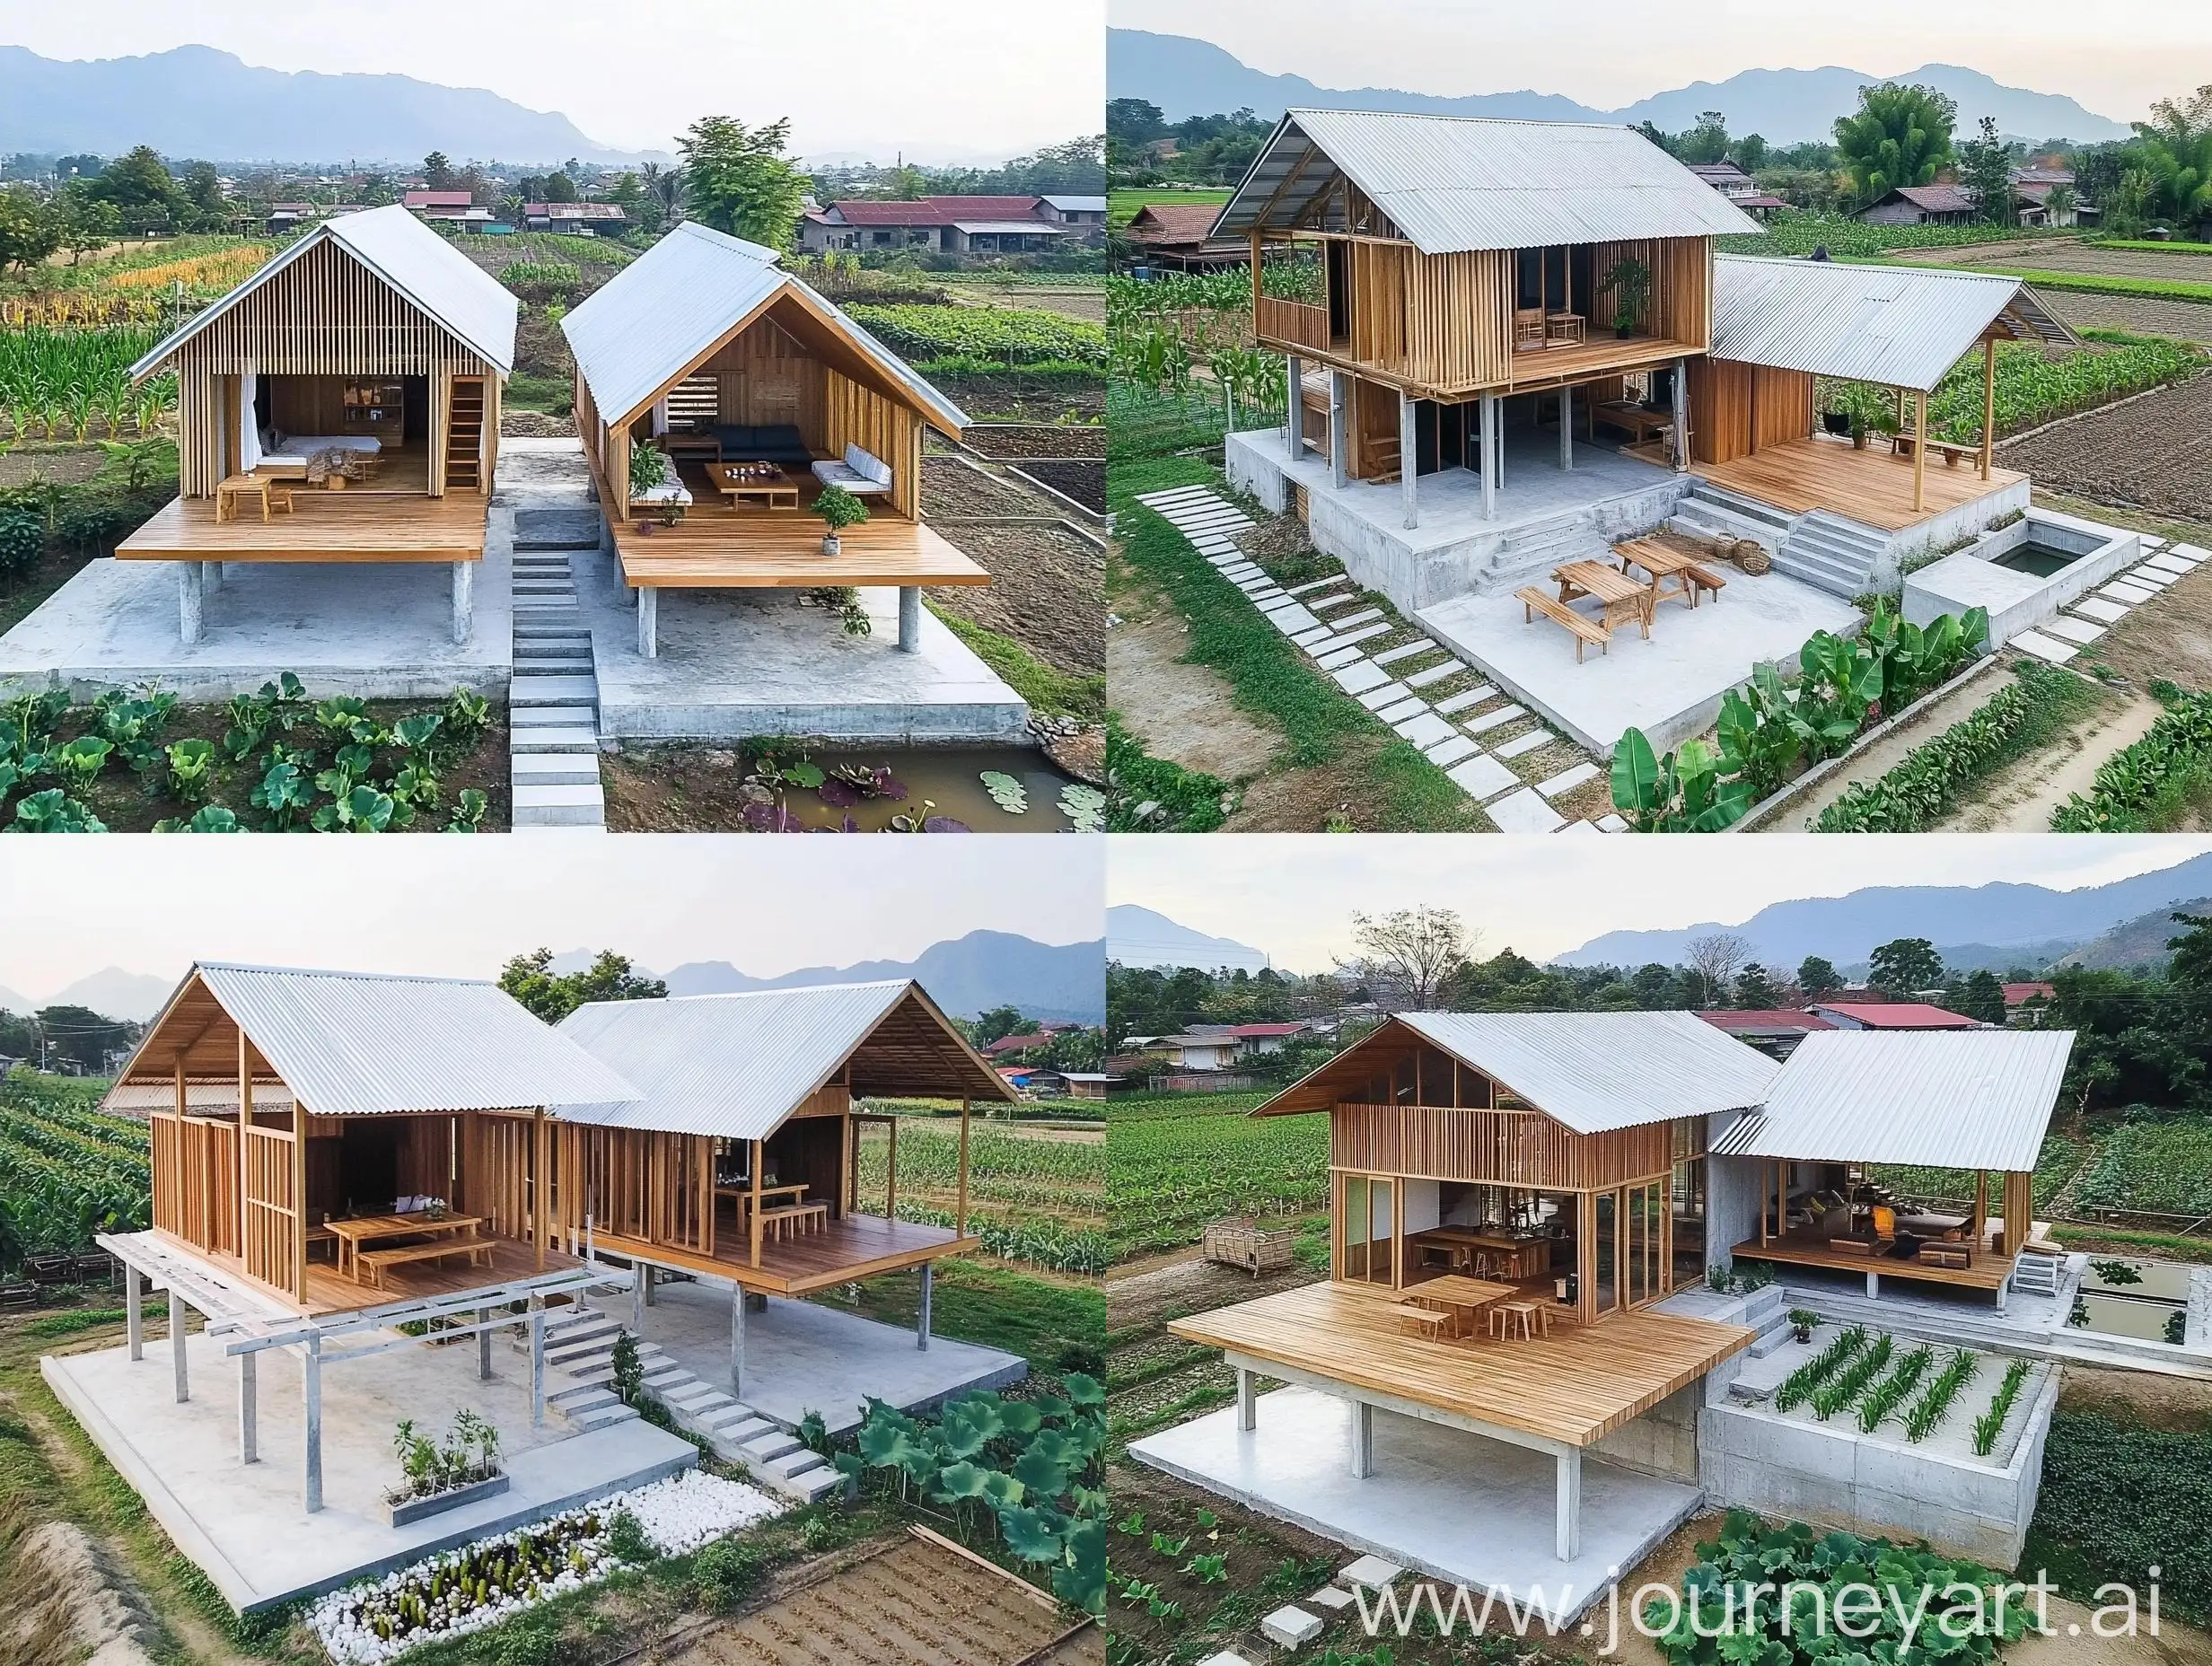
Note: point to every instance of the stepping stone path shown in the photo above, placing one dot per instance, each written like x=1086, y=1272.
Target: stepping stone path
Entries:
x=1291, y=1626
x=553, y=696
x=1331, y=626
x=2057, y=640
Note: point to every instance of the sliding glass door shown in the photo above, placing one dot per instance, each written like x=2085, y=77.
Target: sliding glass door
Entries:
x=1368, y=1252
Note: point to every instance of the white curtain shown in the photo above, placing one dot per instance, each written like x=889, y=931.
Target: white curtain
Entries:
x=249, y=431
x=660, y=419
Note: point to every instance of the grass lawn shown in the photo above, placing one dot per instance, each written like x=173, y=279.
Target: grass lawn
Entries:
x=1046, y=689
x=1121, y=205
x=1048, y=1322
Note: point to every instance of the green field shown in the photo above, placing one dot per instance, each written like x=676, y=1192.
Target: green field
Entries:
x=1181, y=1160
x=2164, y=1167
x=2099, y=284
x=1121, y=205
x=66, y=1170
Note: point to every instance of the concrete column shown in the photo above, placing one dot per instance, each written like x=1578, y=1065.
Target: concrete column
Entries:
x=1407, y=429
x=1497, y=439
x=648, y=622
x=210, y=577
x=1567, y=1526
x=650, y=1279
x=639, y=1273
x=175, y=1345
x=311, y=1384
x=1486, y=408
x=1339, y=430
x=187, y=602
x=1873, y=1285
x=921, y=1322
x=484, y=1345
x=464, y=600
x=536, y=1363
x=1294, y=425
x=249, y=1409
x=1566, y=428
x=1247, y=1401
x=1363, y=1440
x=1682, y=415
x=133, y=1322
x=909, y=619
x=737, y=1339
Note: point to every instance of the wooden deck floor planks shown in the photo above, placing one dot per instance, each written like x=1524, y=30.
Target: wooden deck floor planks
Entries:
x=323, y=526
x=1873, y=486
x=1576, y=1386
x=858, y=1246
x=1989, y=1271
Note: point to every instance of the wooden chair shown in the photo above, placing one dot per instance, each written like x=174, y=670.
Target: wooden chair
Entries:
x=1528, y=329
x=1563, y=330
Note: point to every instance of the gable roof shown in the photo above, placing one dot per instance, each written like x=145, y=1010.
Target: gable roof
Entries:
x=1900, y=327
x=934, y=210
x=1590, y=1072
x=1452, y=183
x=1899, y=1014
x=1172, y=223
x=736, y=1066
x=411, y=257
x=1976, y=1099
x=366, y=1044
x=639, y=330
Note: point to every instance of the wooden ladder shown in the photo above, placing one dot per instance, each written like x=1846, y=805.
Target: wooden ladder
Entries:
x=464, y=437
x=1382, y=459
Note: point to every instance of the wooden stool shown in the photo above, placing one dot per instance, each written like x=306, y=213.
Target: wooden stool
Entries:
x=233, y=486
x=1527, y=1315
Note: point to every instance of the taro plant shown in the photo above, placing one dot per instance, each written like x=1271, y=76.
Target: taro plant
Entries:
x=192, y=770
x=80, y=761
x=206, y=818
x=468, y=812
x=53, y=812
x=466, y=716
x=284, y=795
x=359, y=810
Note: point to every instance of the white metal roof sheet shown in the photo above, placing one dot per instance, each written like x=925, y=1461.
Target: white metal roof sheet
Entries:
x=1972, y=1098
x=1453, y=183
x=637, y=331
x=732, y=1066
x=362, y=1044
x=1599, y=1070
x=1902, y=327
x=410, y=256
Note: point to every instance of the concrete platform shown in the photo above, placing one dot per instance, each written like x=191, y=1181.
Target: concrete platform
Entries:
x=1669, y=686
x=378, y=631
x=1448, y=1504
x=244, y=1526
x=801, y=1356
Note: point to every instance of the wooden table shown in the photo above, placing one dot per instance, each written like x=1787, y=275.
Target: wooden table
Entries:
x=1527, y=1257
x=1663, y=563
x=769, y=1194
x=363, y=1229
x=1622, y=597
x=738, y=481
x=1564, y=329
x=1641, y=423
x=233, y=486
x=1461, y=1294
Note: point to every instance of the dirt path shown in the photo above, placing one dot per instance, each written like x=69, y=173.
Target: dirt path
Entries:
x=1183, y=712
x=1883, y=754
x=2020, y=799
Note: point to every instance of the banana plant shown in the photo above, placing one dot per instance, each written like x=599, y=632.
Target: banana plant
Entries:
x=1695, y=789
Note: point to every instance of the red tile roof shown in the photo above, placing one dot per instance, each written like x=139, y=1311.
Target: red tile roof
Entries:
x=1017, y=1043
x=1261, y=1030
x=1732, y=1019
x=938, y=210
x=437, y=199
x=2016, y=994
x=1173, y=222
x=1903, y=1015
x=1938, y=198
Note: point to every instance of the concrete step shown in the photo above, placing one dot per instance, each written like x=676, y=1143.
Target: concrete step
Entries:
x=813, y=1484
x=553, y=691
x=576, y=715
x=1739, y=504
x=576, y=1403
x=718, y=1421
x=549, y=636
x=555, y=664
x=665, y=1376
x=767, y=1446
x=543, y=740
x=792, y=1465
x=577, y=768
x=737, y=1436
x=560, y=806
x=606, y=1414
x=697, y=1397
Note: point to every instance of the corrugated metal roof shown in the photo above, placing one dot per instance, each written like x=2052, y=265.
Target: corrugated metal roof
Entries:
x=732, y=1066
x=1452, y=183
x=410, y=256
x=638, y=331
x=1975, y=1099
x=360, y=1044
x=1900, y=327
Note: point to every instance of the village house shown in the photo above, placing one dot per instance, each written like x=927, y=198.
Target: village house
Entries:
x=977, y=225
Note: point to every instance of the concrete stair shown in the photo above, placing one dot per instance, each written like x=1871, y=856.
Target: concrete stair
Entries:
x=2037, y=1275
x=1765, y=1312
x=553, y=698
x=1527, y=554
x=1821, y=549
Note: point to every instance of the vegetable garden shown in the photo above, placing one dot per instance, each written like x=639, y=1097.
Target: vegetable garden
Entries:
x=65, y=1169
x=971, y=339
x=1181, y=1160
x=1035, y=1201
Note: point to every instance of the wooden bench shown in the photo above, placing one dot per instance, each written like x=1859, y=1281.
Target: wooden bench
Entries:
x=1433, y=1320
x=1955, y=1256
x=1525, y=1316
x=1952, y=455
x=799, y=1217
x=377, y=1260
x=1704, y=578
x=1584, y=631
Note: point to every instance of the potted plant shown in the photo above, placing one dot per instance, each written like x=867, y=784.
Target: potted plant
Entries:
x=839, y=509
x=648, y=471
x=1630, y=282
x=1858, y=432
x=1801, y=1320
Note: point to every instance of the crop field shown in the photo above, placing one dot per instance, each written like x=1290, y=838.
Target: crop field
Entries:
x=2154, y=453
x=985, y=338
x=66, y=1170
x=2165, y=1167
x=1181, y=1160
x=1037, y=1197
x=1121, y=205
x=1793, y=233
x=2060, y=1159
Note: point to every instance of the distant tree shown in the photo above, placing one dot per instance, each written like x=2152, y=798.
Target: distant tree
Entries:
x=30, y=230
x=738, y=179
x=140, y=187
x=86, y=226
x=1134, y=121
x=2176, y=153
x=1652, y=131
x=1405, y=956
x=1708, y=141
x=560, y=188
x=1817, y=978
x=82, y=1037
x=552, y=996
x=82, y=166
x=202, y=189
x=377, y=191
x=995, y=1025
x=1076, y=1049
x=1898, y=135
x=1715, y=959
x=1749, y=153
x=438, y=172
x=908, y=184
x=1986, y=172
x=1904, y=965
x=1983, y=998
x=2059, y=201
x=1754, y=990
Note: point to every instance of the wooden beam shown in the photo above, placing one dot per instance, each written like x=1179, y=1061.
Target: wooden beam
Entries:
x=245, y=1121
x=1919, y=451
x=540, y=1216
x=891, y=1175
x=960, y=1220
x=755, y=1211
x=1989, y=405
x=299, y=1220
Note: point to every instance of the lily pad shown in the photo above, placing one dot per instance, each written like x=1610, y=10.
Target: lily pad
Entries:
x=1085, y=806
x=1006, y=791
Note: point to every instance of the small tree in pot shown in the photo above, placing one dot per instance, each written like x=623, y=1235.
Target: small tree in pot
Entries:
x=839, y=509
x=1628, y=282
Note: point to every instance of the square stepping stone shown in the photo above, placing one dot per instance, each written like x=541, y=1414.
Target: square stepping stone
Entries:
x=1361, y=618
x=1497, y=719
x=1567, y=780
x=1405, y=650
x=1372, y=1572
x=1483, y=777
x=1446, y=753
x=2191, y=552
x=1291, y=1626
x=2134, y=595
x=1425, y=729
x=1337, y=658
x=1319, y=584
x=1612, y=824
x=2111, y=612
x=2044, y=647
x=1388, y=694
x=1525, y=811
x=1535, y=740
x=1336, y=1599
x=2072, y=630
x=1466, y=698
x=1365, y=633
x=1433, y=674
x=1412, y=706
x=1366, y=674
x=2169, y=564
x=1291, y=618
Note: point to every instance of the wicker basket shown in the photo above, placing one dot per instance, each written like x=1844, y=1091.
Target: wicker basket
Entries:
x=1752, y=558
x=1246, y=1244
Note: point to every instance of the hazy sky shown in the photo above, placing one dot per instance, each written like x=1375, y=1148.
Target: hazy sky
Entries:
x=459, y=907
x=964, y=81
x=1293, y=895
x=2115, y=57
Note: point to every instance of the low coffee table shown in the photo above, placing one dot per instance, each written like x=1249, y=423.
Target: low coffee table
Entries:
x=774, y=490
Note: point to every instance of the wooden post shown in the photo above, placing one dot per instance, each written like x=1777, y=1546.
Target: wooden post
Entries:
x=1681, y=436
x=134, y=1321
x=1407, y=433
x=755, y=1211
x=175, y=1345
x=538, y=1219
x=960, y=1220
x=1981, y=1208
x=299, y=1218
x=891, y=1175
x=248, y=1409
x=311, y=1385
x=1988, y=404
x=245, y=1121
x=1919, y=451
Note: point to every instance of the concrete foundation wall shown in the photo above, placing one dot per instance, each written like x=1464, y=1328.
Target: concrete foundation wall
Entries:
x=1662, y=1441
x=1733, y=1199
x=1948, y=528
x=2018, y=601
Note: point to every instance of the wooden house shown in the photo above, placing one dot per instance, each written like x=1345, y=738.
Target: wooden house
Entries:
x=341, y=405
x=756, y=392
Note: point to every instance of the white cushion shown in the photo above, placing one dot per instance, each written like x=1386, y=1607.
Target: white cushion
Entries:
x=867, y=466
x=842, y=474
x=669, y=491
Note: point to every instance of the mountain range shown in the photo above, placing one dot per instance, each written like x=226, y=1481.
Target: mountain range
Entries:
x=1138, y=936
x=1187, y=77
x=111, y=992
x=199, y=103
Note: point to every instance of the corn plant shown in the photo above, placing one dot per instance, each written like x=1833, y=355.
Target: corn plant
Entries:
x=1928, y=1410
x=1885, y=1396
x=1832, y=1398
x=1991, y=1423
x=1798, y=1386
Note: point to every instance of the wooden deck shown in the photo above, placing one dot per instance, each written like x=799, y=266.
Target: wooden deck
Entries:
x=858, y=1246
x=323, y=526
x=1576, y=1386
x=1602, y=354
x=1873, y=486
x=1988, y=1272
x=329, y=1291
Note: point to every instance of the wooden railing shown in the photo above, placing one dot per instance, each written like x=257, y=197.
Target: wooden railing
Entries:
x=644, y=1184
x=1292, y=323
x=1503, y=1147
x=271, y=1226
x=195, y=1164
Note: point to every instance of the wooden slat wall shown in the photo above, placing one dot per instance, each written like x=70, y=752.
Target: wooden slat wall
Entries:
x=1737, y=408
x=1458, y=319
x=853, y=414
x=1781, y=405
x=271, y=1228
x=325, y=315
x=194, y=1171
x=1511, y=1148
x=496, y=1171
x=1290, y=324
x=767, y=377
x=645, y=1184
